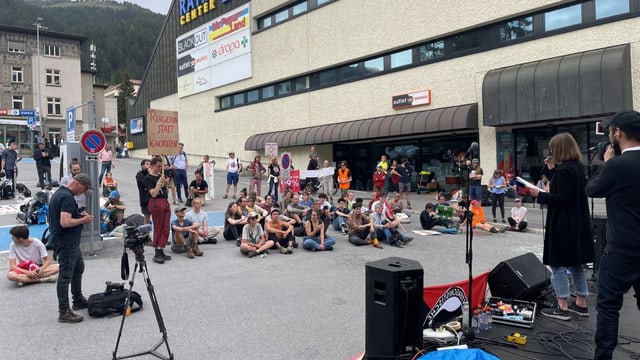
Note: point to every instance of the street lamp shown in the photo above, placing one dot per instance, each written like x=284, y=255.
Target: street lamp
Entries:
x=38, y=27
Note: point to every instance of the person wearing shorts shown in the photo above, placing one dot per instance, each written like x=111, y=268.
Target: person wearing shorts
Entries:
x=233, y=168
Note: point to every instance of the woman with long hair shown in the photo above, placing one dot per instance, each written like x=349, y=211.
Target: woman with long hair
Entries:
x=274, y=178
x=498, y=187
x=234, y=221
x=568, y=243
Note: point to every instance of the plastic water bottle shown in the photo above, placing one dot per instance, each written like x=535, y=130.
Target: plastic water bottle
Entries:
x=475, y=321
x=484, y=325
x=489, y=314
x=465, y=315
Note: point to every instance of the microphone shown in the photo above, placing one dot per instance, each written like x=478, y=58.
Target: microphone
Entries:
x=473, y=148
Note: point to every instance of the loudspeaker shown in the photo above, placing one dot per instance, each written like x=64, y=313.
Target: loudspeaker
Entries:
x=393, y=308
x=522, y=278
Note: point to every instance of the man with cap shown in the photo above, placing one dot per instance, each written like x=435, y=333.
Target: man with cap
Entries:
x=475, y=180
x=42, y=157
x=65, y=226
x=518, y=218
x=116, y=208
x=183, y=233
x=618, y=182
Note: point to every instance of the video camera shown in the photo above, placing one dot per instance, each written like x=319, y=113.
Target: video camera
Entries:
x=136, y=236
x=113, y=286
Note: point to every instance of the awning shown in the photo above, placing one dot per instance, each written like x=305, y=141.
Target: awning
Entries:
x=456, y=118
x=579, y=85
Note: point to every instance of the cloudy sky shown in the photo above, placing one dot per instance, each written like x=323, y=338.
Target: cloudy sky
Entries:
x=159, y=6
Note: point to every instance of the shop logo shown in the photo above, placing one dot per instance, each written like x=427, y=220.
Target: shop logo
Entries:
x=192, y=41
x=186, y=65
x=201, y=81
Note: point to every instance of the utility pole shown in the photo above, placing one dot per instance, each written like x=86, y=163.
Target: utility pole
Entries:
x=39, y=26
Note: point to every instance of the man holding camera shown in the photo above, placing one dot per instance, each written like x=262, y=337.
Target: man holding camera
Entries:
x=618, y=181
x=65, y=225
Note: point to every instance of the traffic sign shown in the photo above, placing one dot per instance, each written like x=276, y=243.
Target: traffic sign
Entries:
x=285, y=161
x=31, y=120
x=71, y=124
x=92, y=141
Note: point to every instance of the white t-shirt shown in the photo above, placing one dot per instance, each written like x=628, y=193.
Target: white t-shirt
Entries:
x=232, y=165
x=200, y=217
x=34, y=252
x=519, y=213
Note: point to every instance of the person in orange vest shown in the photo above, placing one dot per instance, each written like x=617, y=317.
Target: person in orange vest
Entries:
x=344, y=179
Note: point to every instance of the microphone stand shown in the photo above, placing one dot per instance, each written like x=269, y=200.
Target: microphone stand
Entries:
x=469, y=243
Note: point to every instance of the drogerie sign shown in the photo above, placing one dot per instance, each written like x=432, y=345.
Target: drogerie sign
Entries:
x=162, y=132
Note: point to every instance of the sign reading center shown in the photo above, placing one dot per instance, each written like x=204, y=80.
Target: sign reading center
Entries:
x=92, y=141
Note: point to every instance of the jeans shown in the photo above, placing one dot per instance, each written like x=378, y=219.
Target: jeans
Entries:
x=180, y=180
x=360, y=238
x=232, y=232
x=106, y=167
x=475, y=192
x=42, y=171
x=560, y=281
x=314, y=243
x=497, y=200
x=338, y=221
x=273, y=185
x=616, y=275
x=71, y=269
x=521, y=226
x=383, y=234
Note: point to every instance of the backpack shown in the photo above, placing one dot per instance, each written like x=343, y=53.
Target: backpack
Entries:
x=112, y=301
x=23, y=189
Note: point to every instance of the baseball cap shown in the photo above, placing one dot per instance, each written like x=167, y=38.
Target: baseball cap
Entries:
x=475, y=160
x=624, y=120
x=474, y=202
x=179, y=208
x=252, y=214
x=84, y=180
x=114, y=194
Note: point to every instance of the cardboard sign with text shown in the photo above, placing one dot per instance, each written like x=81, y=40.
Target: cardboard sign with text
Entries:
x=162, y=132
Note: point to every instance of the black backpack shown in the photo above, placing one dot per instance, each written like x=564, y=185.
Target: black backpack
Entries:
x=112, y=301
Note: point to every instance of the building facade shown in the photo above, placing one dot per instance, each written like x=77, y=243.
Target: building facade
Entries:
x=415, y=79
x=59, y=83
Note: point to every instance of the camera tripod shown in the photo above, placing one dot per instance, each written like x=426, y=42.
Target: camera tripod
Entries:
x=142, y=265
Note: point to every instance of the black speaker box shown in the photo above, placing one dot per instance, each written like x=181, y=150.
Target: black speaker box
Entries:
x=523, y=278
x=393, y=308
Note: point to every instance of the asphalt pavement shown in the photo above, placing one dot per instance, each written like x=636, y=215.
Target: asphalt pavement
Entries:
x=309, y=305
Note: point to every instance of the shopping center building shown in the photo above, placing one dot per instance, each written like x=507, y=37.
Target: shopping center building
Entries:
x=416, y=79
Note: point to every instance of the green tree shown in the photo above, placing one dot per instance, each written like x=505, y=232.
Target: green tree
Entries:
x=124, y=92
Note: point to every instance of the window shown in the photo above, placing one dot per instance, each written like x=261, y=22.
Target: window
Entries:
x=53, y=106
x=53, y=77
x=327, y=78
x=238, y=99
x=373, y=66
x=349, y=72
x=564, y=17
x=16, y=74
x=268, y=92
x=431, y=51
x=284, y=88
x=264, y=22
x=301, y=83
x=282, y=15
x=51, y=50
x=15, y=47
x=225, y=102
x=611, y=7
x=516, y=29
x=17, y=102
x=299, y=8
x=465, y=41
x=253, y=95
x=401, y=58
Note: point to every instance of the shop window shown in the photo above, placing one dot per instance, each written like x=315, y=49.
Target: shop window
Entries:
x=374, y=66
x=16, y=74
x=564, y=17
x=516, y=29
x=401, y=58
x=349, y=72
x=467, y=41
x=607, y=8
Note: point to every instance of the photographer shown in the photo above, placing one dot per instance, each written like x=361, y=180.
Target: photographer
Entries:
x=618, y=182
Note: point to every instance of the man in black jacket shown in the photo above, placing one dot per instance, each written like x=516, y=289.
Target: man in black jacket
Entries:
x=42, y=156
x=618, y=181
x=143, y=194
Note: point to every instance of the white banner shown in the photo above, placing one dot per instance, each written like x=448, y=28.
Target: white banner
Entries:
x=208, y=177
x=317, y=173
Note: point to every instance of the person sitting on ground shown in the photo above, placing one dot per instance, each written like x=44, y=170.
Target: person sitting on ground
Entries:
x=459, y=210
x=280, y=232
x=306, y=200
x=234, y=221
x=29, y=261
x=396, y=203
x=182, y=233
x=266, y=204
x=386, y=228
x=340, y=216
x=116, y=208
x=297, y=211
x=108, y=184
x=315, y=238
x=198, y=188
x=518, y=218
x=429, y=220
x=543, y=183
x=254, y=241
x=324, y=211
x=480, y=220
x=205, y=234
x=361, y=230
x=252, y=206
x=444, y=212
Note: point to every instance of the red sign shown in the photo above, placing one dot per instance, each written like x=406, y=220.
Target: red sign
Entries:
x=293, y=182
x=92, y=141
